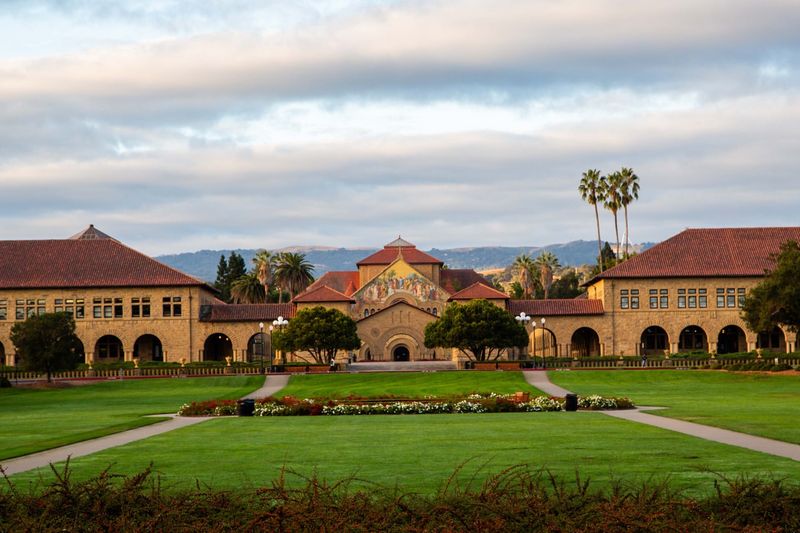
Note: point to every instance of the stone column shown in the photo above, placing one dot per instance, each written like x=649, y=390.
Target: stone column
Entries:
x=11, y=359
x=673, y=347
x=712, y=347
x=128, y=356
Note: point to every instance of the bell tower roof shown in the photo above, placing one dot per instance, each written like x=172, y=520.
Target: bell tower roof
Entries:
x=399, y=242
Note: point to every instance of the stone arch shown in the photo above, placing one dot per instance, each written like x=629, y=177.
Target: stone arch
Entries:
x=731, y=339
x=2, y=354
x=407, y=298
x=402, y=339
x=585, y=342
x=654, y=341
x=773, y=341
x=108, y=348
x=217, y=347
x=543, y=342
x=258, y=347
x=77, y=349
x=148, y=347
x=693, y=339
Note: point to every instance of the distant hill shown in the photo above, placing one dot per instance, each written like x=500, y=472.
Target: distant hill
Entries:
x=203, y=264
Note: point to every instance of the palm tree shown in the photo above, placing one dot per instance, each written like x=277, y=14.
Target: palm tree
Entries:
x=248, y=290
x=293, y=273
x=629, y=191
x=263, y=262
x=593, y=190
x=547, y=262
x=613, y=199
x=524, y=268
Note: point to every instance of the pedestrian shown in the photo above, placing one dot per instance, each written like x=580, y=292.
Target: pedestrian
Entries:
x=644, y=360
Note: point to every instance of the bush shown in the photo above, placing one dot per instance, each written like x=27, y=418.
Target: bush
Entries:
x=4, y=383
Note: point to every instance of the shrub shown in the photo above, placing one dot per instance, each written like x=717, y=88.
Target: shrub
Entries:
x=4, y=383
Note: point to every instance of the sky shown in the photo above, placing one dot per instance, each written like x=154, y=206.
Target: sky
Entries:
x=184, y=125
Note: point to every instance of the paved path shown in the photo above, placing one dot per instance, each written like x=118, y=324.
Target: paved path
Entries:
x=724, y=436
x=272, y=384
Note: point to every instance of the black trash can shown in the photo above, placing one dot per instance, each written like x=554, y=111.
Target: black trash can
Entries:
x=245, y=407
x=571, y=402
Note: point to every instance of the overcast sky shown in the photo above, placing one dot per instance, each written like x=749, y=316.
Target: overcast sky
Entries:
x=181, y=125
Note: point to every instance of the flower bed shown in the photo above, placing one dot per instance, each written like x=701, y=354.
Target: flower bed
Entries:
x=474, y=403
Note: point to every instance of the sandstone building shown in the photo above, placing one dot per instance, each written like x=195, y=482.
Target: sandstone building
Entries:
x=682, y=295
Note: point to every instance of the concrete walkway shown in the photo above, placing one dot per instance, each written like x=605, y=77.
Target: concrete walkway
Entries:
x=272, y=384
x=724, y=436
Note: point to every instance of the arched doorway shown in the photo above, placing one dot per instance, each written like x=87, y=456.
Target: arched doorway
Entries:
x=217, y=347
x=773, y=341
x=148, y=348
x=258, y=347
x=654, y=341
x=108, y=347
x=401, y=353
x=78, y=350
x=731, y=340
x=693, y=339
x=585, y=343
x=543, y=343
x=2, y=355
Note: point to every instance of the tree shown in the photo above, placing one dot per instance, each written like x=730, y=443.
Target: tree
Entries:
x=248, y=290
x=321, y=332
x=524, y=269
x=546, y=262
x=293, y=273
x=221, y=283
x=776, y=300
x=613, y=200
x=236, y=268
x=629, y=191
x=263, y=263
x=46, y=343
x=478, y=329
x=568, y=286
x=592, y=189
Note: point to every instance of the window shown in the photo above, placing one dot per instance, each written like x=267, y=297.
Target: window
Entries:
x=653, y=298
x=435, y=312
x=3, y=309
x=692, y=298
x=740, y=297
x=702, y=298
x=140, y=307
x=107, y=307
x=171, y=306
x=730, y=298
x=681, y=298
x=720, y=297
x=624, y=299
x=634, y=298
x=29, y=307
x=664, y=299
x=73, y=306
x=366, y=313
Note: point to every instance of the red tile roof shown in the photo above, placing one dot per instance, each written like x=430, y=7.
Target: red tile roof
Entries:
x=479, y=290
x=339, y=281
x=245, y=312
x=410, y=255
x=73, y=263
x=321, y=294
x=567, y=307
x=454, y=280
x=91, y=233
x=717, y=252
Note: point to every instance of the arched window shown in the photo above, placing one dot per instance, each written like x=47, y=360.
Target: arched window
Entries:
x=366, y=313
x=435, y=312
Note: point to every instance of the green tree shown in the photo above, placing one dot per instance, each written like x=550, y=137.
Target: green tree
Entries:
x=236, y=268
x=248, y=290
x=613, y=200
x=46, y=343
x=516, y=291
x=321, y=332
x=263, y=263
x=629, y=191
x=776, y=300
x=546, y=263
x=592, y=189
x=478, y=329
x=525, y=270
x=221, y=283
x=568, y=286
x=293, y=273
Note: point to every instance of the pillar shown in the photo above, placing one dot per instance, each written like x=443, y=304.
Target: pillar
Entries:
x=11, y=359
x=128, y=355
x=673, y=347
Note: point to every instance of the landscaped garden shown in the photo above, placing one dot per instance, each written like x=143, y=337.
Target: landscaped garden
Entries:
x=761, y=404
x=35, y=419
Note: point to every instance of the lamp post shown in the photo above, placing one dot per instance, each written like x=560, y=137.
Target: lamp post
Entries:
x=261, y=342
x=523, y=319
x=543, y=354
x=277, y=323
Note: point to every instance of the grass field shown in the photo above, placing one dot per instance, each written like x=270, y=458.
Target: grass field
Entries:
x=767, y=405
x=38, y=419
x=412, y=384
x=419, y=452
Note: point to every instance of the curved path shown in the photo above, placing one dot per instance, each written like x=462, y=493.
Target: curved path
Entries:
x=272, y=384
x=540, y=380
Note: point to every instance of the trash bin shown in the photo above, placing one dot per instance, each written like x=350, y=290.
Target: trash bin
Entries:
x=246, y=407
x=571, y=402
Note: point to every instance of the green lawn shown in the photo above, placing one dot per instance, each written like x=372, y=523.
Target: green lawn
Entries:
x=419, y=452
x=760, y=404
x=411, y=384
x=34, y=419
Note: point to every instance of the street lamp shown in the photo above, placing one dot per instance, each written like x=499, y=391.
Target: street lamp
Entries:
x=261, y=348
x=543, y=354
x=279, y=323
x=523, y=319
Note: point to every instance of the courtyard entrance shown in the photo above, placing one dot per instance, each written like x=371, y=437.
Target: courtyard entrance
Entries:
x=401, y=353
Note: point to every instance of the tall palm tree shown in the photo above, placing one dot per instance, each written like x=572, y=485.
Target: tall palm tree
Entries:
x=263, y=263
x=248, y=290
x=293, y=273
x=547, y=262
x=592, y=189
x=629, y=191
x=613, y=200
x=524, y=269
